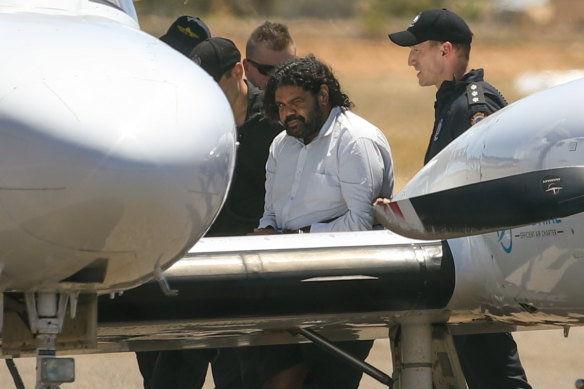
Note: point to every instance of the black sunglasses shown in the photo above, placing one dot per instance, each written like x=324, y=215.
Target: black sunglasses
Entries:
x=262, y=68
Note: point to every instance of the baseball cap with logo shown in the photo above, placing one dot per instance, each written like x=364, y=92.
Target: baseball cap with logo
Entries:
x=436, y=25
x=185, y=33
x=216, y=56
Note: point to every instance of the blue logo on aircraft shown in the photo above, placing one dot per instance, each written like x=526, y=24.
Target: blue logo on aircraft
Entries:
x=505, y=240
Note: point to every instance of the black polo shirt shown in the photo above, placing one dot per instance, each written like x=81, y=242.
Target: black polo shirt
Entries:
x=245, y=202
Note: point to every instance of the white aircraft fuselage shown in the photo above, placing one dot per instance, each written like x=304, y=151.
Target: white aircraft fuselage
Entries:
x=523, y=276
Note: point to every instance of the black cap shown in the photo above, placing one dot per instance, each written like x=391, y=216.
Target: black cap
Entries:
x=216, y=56
x=185, y=33
x=435, y=25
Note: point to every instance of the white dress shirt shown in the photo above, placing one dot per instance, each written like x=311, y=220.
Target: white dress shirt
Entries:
x=330, y=183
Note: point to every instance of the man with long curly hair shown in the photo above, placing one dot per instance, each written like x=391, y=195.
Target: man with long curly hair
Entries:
x=323, y=173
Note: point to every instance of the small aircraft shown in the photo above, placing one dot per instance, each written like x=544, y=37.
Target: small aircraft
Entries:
x=113, y=169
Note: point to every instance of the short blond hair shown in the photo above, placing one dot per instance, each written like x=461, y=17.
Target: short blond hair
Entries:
x=274, y=35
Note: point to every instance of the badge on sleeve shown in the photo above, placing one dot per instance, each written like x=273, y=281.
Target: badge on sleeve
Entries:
x=438, y=129
x=477, y=117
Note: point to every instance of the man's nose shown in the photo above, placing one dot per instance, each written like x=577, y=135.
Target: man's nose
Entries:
x=411, y=59
x=287, y=110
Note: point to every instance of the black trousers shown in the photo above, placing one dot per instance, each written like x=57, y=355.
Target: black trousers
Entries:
x=490, y=361
x=187, y=369
x=325, y=371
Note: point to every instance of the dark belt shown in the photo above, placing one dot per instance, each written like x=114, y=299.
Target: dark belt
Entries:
x=305, y=230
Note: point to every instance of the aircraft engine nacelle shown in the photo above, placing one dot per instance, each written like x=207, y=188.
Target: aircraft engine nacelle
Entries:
x=522, y=165
x=116, y=151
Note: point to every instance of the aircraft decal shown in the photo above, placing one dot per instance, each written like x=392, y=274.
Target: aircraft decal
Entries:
x=542, y=230
x=552, y=185
x=395, y=207
x=505, y=239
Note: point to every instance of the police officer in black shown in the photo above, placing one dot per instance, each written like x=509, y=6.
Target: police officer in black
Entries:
x=244, y=205
x=439, y=42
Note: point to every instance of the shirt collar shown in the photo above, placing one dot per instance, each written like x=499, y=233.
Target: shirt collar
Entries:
x=451, y=86
x=328, y=126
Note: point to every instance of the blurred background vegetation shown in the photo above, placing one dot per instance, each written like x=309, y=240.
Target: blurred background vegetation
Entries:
x=373, y=15
x=309, y=8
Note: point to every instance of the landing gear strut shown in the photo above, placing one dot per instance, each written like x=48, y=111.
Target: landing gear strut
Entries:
x=46, y=312
x=424, y=357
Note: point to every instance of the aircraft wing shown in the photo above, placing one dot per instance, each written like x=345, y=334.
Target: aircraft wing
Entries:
x=351, y=285
x=250, y=290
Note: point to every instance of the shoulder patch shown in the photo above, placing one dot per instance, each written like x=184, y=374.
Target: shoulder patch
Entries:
x=477, y=117
x=475, y=93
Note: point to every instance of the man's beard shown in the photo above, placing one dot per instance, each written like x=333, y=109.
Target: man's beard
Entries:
x=305, y=127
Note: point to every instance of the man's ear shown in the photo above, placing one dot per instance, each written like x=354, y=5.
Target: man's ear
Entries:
x=238, y=70
x=446, y=48
x=323, y=95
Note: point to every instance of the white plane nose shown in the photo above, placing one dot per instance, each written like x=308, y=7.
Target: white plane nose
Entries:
x=116, y=153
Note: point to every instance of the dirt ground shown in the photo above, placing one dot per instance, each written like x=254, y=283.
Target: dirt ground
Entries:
x=375, y=75
x=550, y=360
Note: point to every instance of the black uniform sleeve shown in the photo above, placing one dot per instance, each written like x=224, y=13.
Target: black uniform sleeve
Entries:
x=483, y=100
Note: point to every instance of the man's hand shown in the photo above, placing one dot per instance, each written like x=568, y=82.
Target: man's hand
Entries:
x=381, y=201
x=264, y=231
